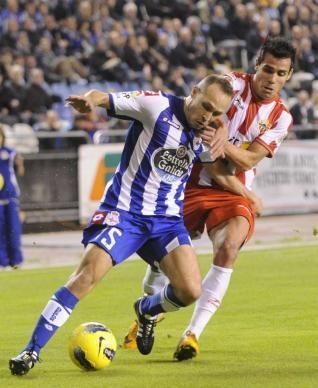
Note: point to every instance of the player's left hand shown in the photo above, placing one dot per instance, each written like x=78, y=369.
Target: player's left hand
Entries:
x=256, y=202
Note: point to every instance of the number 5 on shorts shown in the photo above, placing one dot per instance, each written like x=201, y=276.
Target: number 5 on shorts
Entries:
x=110, y=240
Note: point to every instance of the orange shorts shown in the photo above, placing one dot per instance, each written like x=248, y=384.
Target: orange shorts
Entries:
x=210, y=207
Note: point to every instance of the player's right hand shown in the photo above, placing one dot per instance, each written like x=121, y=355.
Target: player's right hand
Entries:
x=256, y=202
x=79, y=103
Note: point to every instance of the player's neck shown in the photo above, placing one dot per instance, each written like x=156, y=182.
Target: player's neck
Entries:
x=187, y=101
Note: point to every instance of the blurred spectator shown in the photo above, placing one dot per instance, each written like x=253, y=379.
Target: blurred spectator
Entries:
x=176, y=82
x=314, y=38
x=151, y=32
x=130, y=15
x=172, y=27
x=52, y=123
x=185, y=53
x=256, y=37
x=16, y=89
x=196, y=28
x=252, y=13
x=305, y=17
x=6, y=60
x=104, y=17
x=307, y=61
x=47, y=60
x=10, y=11
x=314, y=103
x=240, y=23
x=157, y=84
x=6, y=98
x=51, y=30
x=106, y=64
x=132, y=54
x=10, y=33
x=270, y=8
x=302, y=111
x=37, y=97
x=275, y=28
x=163, y=47
x=85, y=12
x=23, y=44
x=200, y=72
x=220, y=27
x=290, y=18
x=32, y=30
x=161, y=8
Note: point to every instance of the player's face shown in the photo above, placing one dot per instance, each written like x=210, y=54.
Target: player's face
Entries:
x=205, y=107
x=271, y=75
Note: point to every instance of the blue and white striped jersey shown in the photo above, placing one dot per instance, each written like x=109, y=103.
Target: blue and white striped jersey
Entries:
x=158, y=156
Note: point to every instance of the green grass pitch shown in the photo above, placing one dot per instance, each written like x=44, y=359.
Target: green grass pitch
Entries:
x=265, y=334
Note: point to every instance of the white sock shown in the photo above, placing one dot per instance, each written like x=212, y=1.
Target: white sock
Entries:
x=215, y=285
x=154, y=281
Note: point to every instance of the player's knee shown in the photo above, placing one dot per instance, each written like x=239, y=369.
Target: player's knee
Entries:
x=227, y=254
x=84, y=281
x=191, y=293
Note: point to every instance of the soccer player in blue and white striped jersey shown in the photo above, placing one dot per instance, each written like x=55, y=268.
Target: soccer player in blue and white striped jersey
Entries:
x=141, y=209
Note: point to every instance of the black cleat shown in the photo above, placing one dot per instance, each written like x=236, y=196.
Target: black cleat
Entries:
x=145, y=335
x=25, y=361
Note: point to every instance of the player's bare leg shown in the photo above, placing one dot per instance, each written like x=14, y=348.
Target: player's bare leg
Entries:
x=227, y=239
x=95, y=264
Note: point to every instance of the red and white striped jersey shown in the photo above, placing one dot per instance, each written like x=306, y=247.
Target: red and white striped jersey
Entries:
x=249, y=120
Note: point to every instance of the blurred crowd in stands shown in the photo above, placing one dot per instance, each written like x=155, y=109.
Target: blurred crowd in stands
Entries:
x=52, y=48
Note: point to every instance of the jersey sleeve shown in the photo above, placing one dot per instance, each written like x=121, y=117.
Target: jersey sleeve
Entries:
x=137, y=105
x=237, y=80
x=273, y=138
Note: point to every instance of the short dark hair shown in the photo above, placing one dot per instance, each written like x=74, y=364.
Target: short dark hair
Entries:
x=279, y=48
x=218, y=79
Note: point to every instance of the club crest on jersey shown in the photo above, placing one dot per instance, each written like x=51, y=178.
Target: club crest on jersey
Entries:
x=112, y=218
x=263, y=126
x=171, y=164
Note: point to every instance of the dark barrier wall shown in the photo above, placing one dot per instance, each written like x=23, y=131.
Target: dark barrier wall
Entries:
x=49, y=189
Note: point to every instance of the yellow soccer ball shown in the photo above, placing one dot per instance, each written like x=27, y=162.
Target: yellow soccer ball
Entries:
x=1, y=182
x=92, y=346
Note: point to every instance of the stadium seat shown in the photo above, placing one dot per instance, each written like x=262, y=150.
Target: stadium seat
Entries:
x=9, y=135
x=25, y=139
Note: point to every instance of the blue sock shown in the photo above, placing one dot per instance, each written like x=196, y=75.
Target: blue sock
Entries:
x=54, y=315
x=163, y=301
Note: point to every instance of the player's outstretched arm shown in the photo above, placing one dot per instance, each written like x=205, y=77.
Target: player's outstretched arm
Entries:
x=90, y=100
